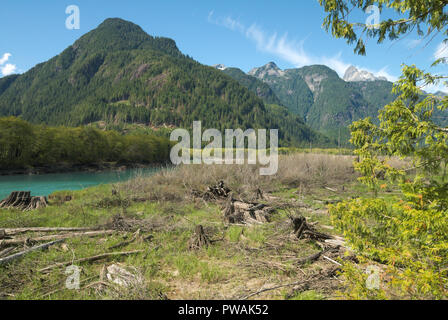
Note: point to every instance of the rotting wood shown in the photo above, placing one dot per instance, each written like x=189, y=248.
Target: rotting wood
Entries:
x=238, y=211
x=215, y=192
x=302, y=229
x=199, y=239
x=22, y=200
x=90, y=259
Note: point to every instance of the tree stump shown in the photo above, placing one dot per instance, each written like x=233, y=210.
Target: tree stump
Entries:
x=22, y=200
x=245, y=212
x=199, y=239
x=304, y=230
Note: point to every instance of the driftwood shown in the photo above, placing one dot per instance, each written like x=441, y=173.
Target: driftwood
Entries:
x=18, y=255
x=237, y=211
x=89, y=259
x=22, y=200
x=55, y=237
x=199, y=239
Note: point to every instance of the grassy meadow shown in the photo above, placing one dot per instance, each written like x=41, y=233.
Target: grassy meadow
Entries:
x=158, y=217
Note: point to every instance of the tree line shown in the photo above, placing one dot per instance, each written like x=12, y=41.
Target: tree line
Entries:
x=23, y=145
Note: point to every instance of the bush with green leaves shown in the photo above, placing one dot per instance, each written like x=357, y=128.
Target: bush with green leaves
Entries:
x=407, y=237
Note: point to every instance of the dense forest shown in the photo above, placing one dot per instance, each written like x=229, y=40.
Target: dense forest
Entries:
x=120, y=75
x=24, y=145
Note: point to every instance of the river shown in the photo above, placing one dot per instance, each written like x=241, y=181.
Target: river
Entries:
x=45, y=184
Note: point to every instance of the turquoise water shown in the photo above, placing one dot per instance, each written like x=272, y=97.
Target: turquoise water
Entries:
x=45, y=184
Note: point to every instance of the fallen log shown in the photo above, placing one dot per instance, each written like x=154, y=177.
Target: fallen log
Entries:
x=18, y=255
x=89, y=259
x=9, y=242
x=14, y=231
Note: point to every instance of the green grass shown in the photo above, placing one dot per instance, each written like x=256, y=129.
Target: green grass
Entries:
x=238, y=255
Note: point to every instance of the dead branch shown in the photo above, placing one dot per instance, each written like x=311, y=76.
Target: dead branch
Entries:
x=89, y=259
x=125, y=243
x=18, y=255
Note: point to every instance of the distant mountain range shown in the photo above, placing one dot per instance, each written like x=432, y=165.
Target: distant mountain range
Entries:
x=117, y=73
x=354, y=75
x=326, y=102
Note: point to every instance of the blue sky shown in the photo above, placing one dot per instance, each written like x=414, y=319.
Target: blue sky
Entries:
x=242, y=34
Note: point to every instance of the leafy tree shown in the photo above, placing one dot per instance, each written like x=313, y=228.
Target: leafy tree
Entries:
x=409, y=235
x=25, y=145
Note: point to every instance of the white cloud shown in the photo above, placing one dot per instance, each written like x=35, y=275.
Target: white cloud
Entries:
x=8, y=69
x=287, y=49
x=4, y=58
x=441, y=51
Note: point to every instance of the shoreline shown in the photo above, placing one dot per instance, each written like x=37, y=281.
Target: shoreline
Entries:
x=92, y=168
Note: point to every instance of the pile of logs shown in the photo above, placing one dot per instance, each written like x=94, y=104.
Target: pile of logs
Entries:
x=22, y=200
x=218, y=191
x=238, y=211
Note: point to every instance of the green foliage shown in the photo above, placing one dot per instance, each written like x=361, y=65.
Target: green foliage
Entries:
x=327, y=103
x=408, y=236
x=25, y=145
x=427, y=14
x=255, y=85
x=120, y=75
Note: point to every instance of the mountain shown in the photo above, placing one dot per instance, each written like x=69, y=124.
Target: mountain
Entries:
x=117, y=73
x=261, y=89
x=326, y=102
x=354, y=75
x=220, y=67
